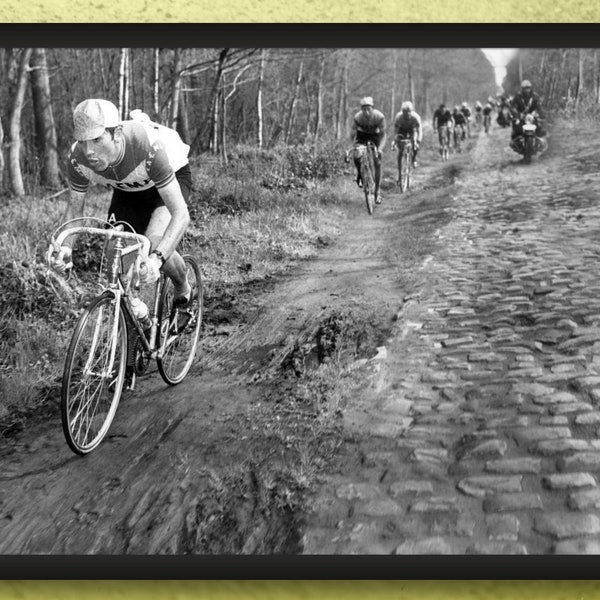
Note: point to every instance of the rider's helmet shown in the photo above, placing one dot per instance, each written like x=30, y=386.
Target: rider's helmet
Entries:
x=477, y=103
x=366, y=101
x=407, y=105
x=456, y=109
x=464, y=105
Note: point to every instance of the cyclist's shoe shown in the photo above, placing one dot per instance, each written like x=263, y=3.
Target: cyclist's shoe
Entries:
x=181, y=315
x=129, y=383
x=359, y=181
x=378, y=199
x=415, y=164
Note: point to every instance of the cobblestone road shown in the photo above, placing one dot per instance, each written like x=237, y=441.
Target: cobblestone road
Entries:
x=480, y=434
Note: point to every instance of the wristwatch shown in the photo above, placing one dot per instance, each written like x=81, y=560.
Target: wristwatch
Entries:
x=160, y=255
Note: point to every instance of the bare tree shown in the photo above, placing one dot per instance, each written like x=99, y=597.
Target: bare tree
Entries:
x=292, y=110
x=44, y=119
x=16, y=177
x=259, y=103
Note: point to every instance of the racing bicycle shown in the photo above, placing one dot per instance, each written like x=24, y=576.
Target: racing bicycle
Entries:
x=404, y=145
x=109, y=346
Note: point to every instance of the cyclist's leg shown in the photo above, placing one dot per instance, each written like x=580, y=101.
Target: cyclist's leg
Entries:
x=415, y=149
x=399, y=158
x=377, y=172
x=174, y=268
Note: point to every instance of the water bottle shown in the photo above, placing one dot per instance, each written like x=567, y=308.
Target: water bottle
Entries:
x=140, y=310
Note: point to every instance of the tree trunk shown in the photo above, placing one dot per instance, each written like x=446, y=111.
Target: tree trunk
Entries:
x=155, y=102
x=16, y=177
x=411, y=82
x=394, y=75
x=176, y=83
x=292, y=110
x=207, y=131
x=122, y=83
x=45, y=130
x=222, y=125
x=1, y=157
x=259, y=106
x=579, y=92
x=319, y=106
x=342, y=108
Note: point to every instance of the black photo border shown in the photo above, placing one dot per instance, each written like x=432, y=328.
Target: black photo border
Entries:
x=285, y=567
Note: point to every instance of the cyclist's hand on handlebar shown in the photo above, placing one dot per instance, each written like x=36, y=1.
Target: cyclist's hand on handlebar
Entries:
x=61, y=262
x=150, y=269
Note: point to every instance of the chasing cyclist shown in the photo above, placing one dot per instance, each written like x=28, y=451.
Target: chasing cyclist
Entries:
x=465, y=109
x=146, y=165
x=407, y=124
x=443, y=123
x=460, y=127
x=368, y=125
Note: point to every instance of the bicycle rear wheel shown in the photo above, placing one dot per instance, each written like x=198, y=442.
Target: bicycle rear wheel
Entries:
x=367, y=172
x=179, y=329
x=93, y=378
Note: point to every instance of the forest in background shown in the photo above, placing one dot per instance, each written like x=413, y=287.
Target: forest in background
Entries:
x=218, y=98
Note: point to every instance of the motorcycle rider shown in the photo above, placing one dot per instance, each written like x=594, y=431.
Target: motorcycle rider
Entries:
x=368, y=125
x=523, y=103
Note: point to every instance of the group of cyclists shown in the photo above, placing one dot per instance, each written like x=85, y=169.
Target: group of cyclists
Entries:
x=146, y=166
x=452, y=126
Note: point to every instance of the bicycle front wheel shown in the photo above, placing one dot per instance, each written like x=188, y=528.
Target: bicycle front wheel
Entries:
x=368, y=179
x=93, y=375
x=406, y=168
x=179, y=328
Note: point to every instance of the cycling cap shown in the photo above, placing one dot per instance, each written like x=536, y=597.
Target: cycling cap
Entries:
x=408, y=105
x=525, y=83
x=366, y=101
x=91, y=117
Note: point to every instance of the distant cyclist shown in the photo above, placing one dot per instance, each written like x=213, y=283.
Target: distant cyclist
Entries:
x=487, y=116
x=443, y=123
x=407, y=123
x=478, y=112
x=466, y=111
x=368, y=125
x=460, y=126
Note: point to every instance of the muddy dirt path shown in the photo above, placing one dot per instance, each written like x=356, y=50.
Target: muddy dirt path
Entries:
x=157, y=482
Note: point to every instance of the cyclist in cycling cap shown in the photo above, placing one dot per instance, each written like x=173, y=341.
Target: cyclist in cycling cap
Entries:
x=368, y=125
x=146, y=166
x=407, y=123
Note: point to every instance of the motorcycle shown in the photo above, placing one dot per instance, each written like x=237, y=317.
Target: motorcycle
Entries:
x=528, y=143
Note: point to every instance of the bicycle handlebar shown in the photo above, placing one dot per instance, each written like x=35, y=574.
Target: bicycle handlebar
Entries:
x=143, y=243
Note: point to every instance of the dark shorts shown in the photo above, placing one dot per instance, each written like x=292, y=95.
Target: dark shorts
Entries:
x=363, y=138
x=136, y=208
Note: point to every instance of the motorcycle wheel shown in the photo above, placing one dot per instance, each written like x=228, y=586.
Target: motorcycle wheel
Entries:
x=528, y=149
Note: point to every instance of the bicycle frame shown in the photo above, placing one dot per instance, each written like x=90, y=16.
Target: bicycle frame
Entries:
x=120, y=292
